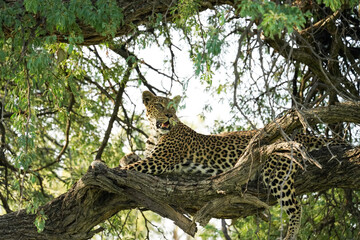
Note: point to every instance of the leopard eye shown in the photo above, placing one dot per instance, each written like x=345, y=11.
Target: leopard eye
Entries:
x=159, y=106
x=171, y=106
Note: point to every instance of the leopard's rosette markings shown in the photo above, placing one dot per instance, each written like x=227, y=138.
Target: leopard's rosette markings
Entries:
x=173, y=147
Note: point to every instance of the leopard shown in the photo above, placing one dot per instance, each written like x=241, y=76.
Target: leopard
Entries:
x=176, y=148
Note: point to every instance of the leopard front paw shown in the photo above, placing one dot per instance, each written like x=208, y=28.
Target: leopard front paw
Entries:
x=129, y=159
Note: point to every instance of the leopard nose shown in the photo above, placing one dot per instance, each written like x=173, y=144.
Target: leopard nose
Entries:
x=168, y=115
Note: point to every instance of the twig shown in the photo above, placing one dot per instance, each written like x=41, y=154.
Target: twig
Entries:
x=224, y=229
x=5, y=204
x=118, y=100
x=237, y=76
x=67, y=134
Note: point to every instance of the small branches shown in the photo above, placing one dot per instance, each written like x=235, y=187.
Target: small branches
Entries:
x=67, y=132
x=5, y=204
x=134, y=61
x=113, y=117
x=237, y=75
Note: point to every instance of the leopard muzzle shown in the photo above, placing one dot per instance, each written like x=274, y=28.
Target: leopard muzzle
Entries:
x=163, y=125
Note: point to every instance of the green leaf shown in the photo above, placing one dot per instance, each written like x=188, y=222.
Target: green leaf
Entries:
x=31, y=5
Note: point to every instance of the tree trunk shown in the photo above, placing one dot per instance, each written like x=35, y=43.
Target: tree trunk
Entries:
x=102, y=191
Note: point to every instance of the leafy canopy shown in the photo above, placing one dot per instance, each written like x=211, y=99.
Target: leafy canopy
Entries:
x=58, y=94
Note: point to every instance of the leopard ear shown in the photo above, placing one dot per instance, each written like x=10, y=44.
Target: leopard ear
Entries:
x=147, y=96
x=176, y=100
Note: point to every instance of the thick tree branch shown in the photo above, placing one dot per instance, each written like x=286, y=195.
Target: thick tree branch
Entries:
x=135, y=13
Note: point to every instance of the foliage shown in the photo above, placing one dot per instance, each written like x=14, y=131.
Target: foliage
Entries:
x=326, y=215
x=51, y=117
x=335, y=5
x=133, y=224
x=57, y=96
x=105, y=16
x=274, y=17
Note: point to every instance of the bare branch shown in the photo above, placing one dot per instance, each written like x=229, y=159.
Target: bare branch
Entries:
x=113, y=117
x=67, y=133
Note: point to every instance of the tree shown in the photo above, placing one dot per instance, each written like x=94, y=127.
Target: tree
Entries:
x=68, y=74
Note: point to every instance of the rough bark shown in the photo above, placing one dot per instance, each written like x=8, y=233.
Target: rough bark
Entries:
x=102, y=191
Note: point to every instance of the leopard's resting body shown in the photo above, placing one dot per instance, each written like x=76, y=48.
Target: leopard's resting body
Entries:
x=176, y=148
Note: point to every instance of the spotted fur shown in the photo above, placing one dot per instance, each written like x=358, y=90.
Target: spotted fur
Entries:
x=176, y=148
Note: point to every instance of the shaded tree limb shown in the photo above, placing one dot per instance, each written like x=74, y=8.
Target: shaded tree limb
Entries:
x=135, y=13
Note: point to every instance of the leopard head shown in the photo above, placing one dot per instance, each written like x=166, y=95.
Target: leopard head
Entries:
x=161, y=111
